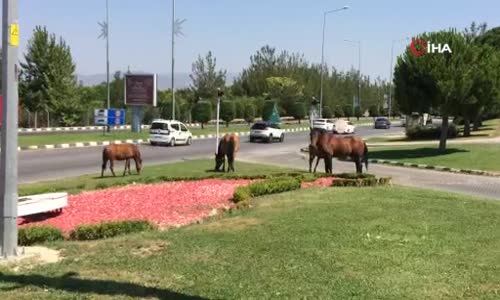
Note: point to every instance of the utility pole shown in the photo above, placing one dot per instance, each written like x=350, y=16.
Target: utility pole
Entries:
x=176, y=30
x=220, y=93
x=105, y=34
x=173, y=38
x=8, y=156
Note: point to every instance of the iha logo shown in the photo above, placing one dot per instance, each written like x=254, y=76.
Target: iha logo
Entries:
x=418, y=47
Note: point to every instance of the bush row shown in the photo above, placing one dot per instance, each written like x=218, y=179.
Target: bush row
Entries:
x=38, y=234
x=359, y=182
x=266, y=187
x=420, y=132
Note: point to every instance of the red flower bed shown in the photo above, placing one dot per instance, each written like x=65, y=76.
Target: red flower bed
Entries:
x=166, y=204
x=320, y=182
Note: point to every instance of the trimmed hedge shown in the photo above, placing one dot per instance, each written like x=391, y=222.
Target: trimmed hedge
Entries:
x=420, y=132
x=266, y=187
x=109, y=229
x=28, y=236
x=360, y=182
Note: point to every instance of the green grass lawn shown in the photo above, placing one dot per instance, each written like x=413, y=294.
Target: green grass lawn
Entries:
x=193, y=168
x=334, y=243
x=472, y=156
x=66, y=138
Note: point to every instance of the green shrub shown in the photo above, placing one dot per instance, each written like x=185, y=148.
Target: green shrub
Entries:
x=354, y=175
x=384, y=180
x=38, y=234
x=241, y=194
x=420, y=132
x=109, y=229
x=202, y=112
x=266, y=187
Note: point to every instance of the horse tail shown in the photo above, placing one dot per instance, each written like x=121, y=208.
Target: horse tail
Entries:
x=365, y=155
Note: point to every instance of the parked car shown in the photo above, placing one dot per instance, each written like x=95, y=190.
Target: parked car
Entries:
x=266, y=131
x=382, y=123
x=169, y=132
x=325, y=124
x=343, y=127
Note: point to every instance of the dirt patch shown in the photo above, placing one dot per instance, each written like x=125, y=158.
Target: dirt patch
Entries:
x=30, y=257
x=231, y=224
x=151, y=249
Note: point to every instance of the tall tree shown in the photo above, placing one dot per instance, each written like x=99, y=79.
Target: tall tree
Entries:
x=49, y=81
x=206, y=78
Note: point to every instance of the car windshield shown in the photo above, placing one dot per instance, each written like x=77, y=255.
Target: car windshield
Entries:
x=161, y=126
x=381, y=119
x=260, y=126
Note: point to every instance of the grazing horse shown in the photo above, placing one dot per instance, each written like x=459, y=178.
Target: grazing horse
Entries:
x=314, y=151
x=327, y=146
x=121, y=152
x=228, y=146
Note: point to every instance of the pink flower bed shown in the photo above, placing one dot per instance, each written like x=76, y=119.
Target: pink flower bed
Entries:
x=166, y=204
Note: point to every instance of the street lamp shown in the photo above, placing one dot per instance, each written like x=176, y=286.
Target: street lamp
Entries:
x=105, y=34
x=220, y=93
x=359, y=69
x=176, y=31
x=390, y=75
x=323, y=55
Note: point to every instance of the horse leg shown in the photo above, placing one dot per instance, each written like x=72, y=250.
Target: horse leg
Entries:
x=359, y=165
x=311, y=160
x=111, y=163
x=329, y=163
x=126, y=164
x=317, y=163
x=104, y=163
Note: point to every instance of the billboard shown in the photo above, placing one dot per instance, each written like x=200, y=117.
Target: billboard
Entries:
x=140, y=89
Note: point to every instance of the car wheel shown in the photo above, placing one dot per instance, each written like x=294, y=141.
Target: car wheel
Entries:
x=270, y=138
x=282, y=138
x=172, y=142
x=153, y=143
x=251, y=140
x=189, y=141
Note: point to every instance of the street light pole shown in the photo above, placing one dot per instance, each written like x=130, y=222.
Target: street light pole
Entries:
x=105, y=34
x=176, y=30
x=389, y=110
x=323, y=56
x=220, y=93
x=173, y=38
x=8, y=156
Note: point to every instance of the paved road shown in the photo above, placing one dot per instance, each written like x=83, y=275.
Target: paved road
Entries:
x=474, y=185
x=39, y=165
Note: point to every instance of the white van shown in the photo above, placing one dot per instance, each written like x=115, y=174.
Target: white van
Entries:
x=343, y=127
x=325, y=124
x=169, y=132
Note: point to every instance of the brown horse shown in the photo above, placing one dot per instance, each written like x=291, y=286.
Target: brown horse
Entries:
x=228, y=146
x=121, y=152
x=326, y=146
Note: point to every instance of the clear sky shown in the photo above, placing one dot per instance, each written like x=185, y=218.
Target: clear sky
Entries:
x=235, y=29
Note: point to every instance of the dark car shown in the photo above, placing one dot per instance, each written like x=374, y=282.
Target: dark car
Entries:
x=382, y=123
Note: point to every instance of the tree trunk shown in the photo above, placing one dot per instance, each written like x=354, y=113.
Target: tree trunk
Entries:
x=227, y=124
x=477, y=121
x=467, y=126
x=444, y=133
x=36, y=120
x=357, y=118
x=299, y=121
x=202, y=125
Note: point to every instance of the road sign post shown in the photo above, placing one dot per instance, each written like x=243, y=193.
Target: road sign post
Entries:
x=8, y=156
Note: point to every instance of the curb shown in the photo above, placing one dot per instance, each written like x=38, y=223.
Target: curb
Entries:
x=139, y=141
x=426, y=167
x=84, y=128
x=435, y=168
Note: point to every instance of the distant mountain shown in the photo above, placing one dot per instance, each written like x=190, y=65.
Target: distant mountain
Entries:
x=182, y=80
